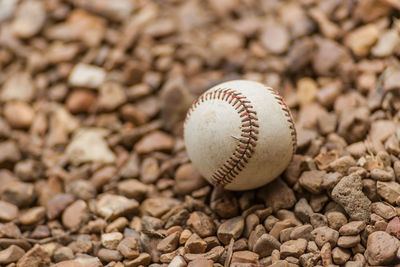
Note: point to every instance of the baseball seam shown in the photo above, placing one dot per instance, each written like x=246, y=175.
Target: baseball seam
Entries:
x=249, y=130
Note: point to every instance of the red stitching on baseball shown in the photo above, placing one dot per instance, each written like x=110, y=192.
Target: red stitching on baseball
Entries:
x=248, y=141
x=288, y=115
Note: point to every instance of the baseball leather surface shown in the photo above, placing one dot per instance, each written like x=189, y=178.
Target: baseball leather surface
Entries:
x=240, y=135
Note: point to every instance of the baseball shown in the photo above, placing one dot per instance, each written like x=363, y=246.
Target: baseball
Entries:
x=240, y=135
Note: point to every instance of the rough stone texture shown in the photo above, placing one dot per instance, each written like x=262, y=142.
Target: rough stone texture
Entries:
x=265, y=245
x=277, y=195
x=232, y=228
x=348, y=193
x=381, y=248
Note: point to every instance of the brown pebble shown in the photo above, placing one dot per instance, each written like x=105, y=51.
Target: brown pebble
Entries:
x=129, y=247
x=156, y=141
x=231, y=228
x=201, y=224
x=265, y=245
x=8, y=211
x=352, y=228
x=75, y=214
x=293, y=248
x=35, y=257
x=381, y=248
x=169, y=243
x=11, y=254
x=188, y=179
x=201, y=262
x=195, y=244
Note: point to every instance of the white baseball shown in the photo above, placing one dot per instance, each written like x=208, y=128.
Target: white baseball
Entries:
x=240, y=135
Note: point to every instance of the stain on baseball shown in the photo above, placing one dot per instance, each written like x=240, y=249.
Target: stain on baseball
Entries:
x=240, y=135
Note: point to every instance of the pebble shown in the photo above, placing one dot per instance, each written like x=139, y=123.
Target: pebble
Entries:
x=348, y=193
x=32, y=215
x=384, y=210
x=340, y=255
x=29, y=19
x=214, y=254
x=57, y=205
x=8, y=211
x=80, y=101
x=312, y=181
x=390, y=191
x=386, y=44
x=111, y=96
x=75, y=215
x=7, y=9
x=158, y=206
x=294, y=248
x=109, y=255
x=19, y=86
x=302, y=231
x=85, y=75
x=348, y=241
x=277, y=195
x=111, y=206
x=352, y=228
x=278, y=33
x=35, y=257
x=132, y=188
x=155, y=141
x=129, y=247
x=87, y=261
x=232, y=228
x=19, y=114
x=177, y=261
x=324, y=235
x=11, y=254
x=265, y=245
x=111, y=240
x=63, y=254
x=362, y=39
x=244, y=257
x=303, y=210
x=195, y=245
x=169, y=243
x=81, y=189
x=202, y=224
x=278, y=227
x=381, y=248
x=18, y=193
x=201, y=262
x=382, y=175
x=188, y=179
x=9, y=152
x=149, y=170
x=89, y=145
x=336, y=219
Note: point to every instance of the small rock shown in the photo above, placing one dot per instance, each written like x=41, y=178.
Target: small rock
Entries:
x=340, y=255
x=214, y=254
x=382, y=175
x=89, y=145
x=390, y=191
x=35, y=257
x=149, y=170
x=133, y=188
x=177, y=261
x=19, y=86
x=85, y=75
x=18, y=193
x=88, y=261
x=113, y=206
x=302, y=231
x=201, y=262
x=188, y=179
x=303, y=210
x=111, y=96
x=265, y=245
x=32, y=215
x=384, y=210
x=81, y=189
x=324, y=235
x=8, y=211
x=393, y=227
x=201, y=224
x=109, y=255
x=336, y=219
x=381, y=248
x=348, y=193
x=143, y=259
x=57, y=205
x=312, y=181
x=63, y=254
x=386, y=44
x=348, y=241
x=245, y=257
x=29, y=19
x=362, y=39
x=158, y=206
x=169, y=243
x=129, y=247
x=195, y=245
x=11, y=254
x=155, y=141
x=19, y=114
x=278, y=33
x=232, y=228
x=352, y=228
x=293, y=248
x=75, y=215
x=111, y=240
x=80, y=101
x=9, y=152
x=277, y=195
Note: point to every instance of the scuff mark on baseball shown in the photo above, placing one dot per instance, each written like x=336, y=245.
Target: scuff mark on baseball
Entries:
x=240, y=135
